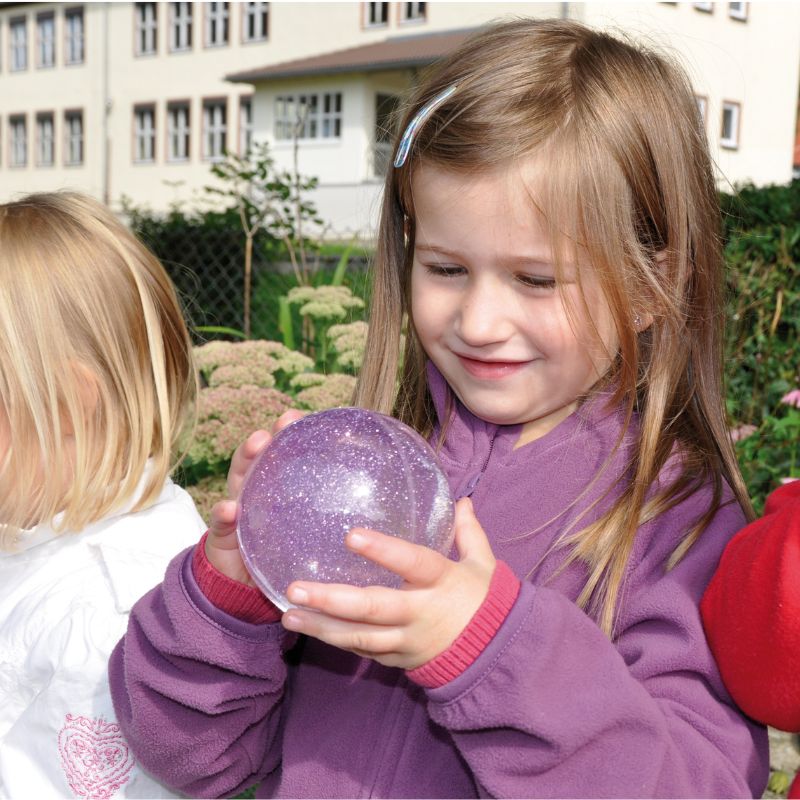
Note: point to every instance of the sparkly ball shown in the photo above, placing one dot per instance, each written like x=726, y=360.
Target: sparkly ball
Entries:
x=330, y=472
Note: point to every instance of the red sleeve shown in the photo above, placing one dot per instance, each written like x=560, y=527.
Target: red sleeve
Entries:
x=751, y=613
x=480, y=630
x=237, y=599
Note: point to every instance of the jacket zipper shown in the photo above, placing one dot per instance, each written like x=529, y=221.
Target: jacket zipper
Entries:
x=475, y=480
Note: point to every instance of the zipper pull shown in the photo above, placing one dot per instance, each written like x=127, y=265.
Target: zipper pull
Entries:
x=471, y=486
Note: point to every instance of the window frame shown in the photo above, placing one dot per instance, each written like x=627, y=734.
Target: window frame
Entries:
x=740, y=14
x=142, y=134
x=69, y=114
x=14, y=47
x=263, y=9
x=245, y=137
x=730, y=143
x=205, y=152
x=13, y=143
x=367, y=8
x=74, y=12
x=705, y=7
x=45, y=16
x=180, y=23
x=175, y=105
x=418, y=19
x=40, y=117
x=210, y=17
x=143, y=28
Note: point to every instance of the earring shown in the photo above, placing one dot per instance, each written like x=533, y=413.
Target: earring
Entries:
x=637, y=322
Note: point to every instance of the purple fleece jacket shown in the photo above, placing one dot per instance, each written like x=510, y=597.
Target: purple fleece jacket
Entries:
x=552, y=708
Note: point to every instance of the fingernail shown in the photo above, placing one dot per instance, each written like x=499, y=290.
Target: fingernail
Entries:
x=356, y=540
x=297, y=594
x=291, y=622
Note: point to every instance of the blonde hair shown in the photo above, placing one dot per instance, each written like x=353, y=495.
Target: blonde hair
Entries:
x=629, y=182
x=94, y=350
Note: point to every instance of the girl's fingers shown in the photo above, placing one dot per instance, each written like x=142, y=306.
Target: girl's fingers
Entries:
x=417, y=565
x=223, y=523
x=376, y=605
x=470, y=538
x=286, y=419
x=246, y=453
x=366, y=640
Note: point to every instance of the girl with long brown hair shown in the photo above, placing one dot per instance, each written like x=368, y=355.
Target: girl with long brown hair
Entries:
x=549, y=245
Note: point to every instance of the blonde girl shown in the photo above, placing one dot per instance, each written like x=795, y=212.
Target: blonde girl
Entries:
x=549, y=233
x=96, y=385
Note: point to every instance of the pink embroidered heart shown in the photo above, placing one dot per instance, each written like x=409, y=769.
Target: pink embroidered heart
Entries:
x=95, y=757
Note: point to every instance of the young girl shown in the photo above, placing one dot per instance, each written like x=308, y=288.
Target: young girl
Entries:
x=550, y=230
x=96, y=381
x=751, y=613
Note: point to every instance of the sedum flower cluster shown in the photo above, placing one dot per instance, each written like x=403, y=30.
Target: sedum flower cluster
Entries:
x=349, y=340
x=324, y=302
x=331, y=391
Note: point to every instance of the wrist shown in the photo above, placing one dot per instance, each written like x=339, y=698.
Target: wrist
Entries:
x=231, y=596
x=481, y=629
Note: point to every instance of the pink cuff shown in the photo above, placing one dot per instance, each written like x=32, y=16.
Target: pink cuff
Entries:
x=480, y=630
x=244, y=602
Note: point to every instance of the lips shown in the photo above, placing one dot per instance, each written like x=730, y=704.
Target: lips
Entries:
x=490, y=370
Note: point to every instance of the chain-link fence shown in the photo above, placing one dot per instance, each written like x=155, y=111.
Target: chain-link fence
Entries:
x=205, y=257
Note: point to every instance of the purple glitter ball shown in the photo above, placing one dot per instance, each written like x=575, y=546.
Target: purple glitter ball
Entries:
x=330, y=472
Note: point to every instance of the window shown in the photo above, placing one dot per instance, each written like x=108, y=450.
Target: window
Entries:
x=215, y=129
x=18, y=131
x=45, y=40
x=18, y=30
x=256, y=22
x=310, y=116
x=45, y=140
x=412, y=12
x=216, y=24
x=178, y=131
x=376, y=14
x=729, y=137
x=708, y=8
x=702, y=108
x=245, y=125
x=144, y=134
x=146, y=29
x=738, y=11
x=73, y=138
x=180, y=27
x=73, y=24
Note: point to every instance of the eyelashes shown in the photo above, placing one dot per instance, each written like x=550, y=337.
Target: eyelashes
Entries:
x=537, y=282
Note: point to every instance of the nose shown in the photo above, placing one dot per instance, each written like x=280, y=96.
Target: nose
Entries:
x=485, y=315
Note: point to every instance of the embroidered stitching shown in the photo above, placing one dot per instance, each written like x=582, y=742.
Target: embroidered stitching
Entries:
x=94, y=756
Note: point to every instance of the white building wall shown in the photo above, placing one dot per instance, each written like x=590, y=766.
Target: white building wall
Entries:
x=754, y=63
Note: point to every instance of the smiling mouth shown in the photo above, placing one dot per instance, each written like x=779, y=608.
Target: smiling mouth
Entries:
x=489, y=370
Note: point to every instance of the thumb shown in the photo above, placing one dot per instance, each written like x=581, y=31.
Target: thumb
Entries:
x=471, y=540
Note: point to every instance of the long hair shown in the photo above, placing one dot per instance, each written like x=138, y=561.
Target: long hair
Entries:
x=629, y=183
x=97, y=380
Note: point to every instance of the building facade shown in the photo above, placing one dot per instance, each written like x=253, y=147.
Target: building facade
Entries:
x=137, y=100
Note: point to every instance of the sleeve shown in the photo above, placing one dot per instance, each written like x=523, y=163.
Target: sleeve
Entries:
x=198, y=693
x=61, y=738
x=554, y=708
x=751, y=613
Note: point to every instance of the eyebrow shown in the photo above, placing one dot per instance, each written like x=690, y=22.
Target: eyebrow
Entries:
x=520, y=261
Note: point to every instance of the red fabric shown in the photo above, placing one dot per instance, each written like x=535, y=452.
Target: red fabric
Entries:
x=237, y=599
x=751, y=613
x=480, y=630
x=794, y=789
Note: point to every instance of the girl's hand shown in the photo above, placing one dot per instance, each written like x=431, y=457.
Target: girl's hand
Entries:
x=222, y=549
x=403, y=627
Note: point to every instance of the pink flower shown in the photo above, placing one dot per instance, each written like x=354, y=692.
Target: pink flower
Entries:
x=792, y=399
x=788, y=480
x=742, y=432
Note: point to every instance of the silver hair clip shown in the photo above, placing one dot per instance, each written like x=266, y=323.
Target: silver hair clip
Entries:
x=407, y=138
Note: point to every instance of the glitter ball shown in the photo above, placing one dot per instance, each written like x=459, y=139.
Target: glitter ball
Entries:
x=330, y=472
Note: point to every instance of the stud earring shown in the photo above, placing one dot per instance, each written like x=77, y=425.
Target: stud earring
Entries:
x=637, y=322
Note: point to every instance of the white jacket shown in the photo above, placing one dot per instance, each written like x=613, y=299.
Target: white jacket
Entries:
x=64, y=604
